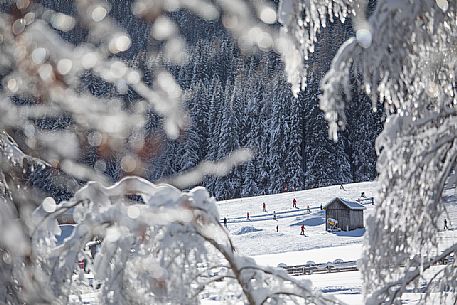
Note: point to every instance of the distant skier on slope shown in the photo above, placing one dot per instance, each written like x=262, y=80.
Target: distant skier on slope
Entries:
x=302, y=231
x=294, y=203
x=342, y=187
x=274, y=215
x=264, y=207
x=445, y=224
x=277, y=228
x=309, y=210
x=225, y=222
x=247, y=216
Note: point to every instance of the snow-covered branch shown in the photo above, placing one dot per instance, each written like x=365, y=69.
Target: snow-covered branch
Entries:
x=147, y=243
x=401, y=53
x=389, y=293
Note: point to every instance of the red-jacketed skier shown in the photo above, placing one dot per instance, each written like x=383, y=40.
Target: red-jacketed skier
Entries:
x=302, y=232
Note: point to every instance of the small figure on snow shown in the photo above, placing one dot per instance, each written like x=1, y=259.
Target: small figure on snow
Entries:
x=294, y=203
x=94, y=248
x=277, y=228
x=342, y=187
x=302, y=231
x=274, y=215
x=321, y=207
x=85, y=262
x=225, y=222
x=247, y=216
x=363, y=195
x=309, y=210
x=264, y=207
x=445, y=224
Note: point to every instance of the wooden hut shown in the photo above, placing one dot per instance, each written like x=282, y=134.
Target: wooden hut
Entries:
x=348, y=214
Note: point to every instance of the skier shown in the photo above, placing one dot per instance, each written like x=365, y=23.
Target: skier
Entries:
x=264, y=206
x=294, y=203
x=85, y=264
x=309, y=210
x=445, y=224
x=362, y=195
x=342, y=187
x=225, y=222
x=274, y=215
x=277, y=228
x=93, y=248
x=302, y=232
x=321, y=206
x=247, y=216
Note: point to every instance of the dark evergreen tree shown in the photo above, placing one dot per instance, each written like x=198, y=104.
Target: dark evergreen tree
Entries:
x=278, y=145
x=195, y=139
x=293, y=165
x=264, y=178
x=252, y=131
x=364, y=125
x=228, y=186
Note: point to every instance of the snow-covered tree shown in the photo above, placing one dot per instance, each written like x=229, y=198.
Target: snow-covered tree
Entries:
x=195, y=139
x=404, y=53
x=279, y=129
x=229, y=186
x=293, y=165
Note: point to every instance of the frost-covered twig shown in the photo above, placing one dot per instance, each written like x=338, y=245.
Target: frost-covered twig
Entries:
x=387, y=295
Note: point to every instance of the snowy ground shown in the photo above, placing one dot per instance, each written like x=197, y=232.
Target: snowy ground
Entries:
x=258, y=237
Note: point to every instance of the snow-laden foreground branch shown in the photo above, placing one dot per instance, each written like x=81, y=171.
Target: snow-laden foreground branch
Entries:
x=161, y=251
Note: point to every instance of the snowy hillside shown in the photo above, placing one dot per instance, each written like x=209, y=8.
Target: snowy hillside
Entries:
x=258, y=235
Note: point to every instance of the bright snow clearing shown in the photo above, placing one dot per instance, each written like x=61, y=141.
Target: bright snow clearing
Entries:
x=259, y=236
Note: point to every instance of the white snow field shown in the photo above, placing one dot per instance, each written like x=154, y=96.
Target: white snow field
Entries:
x=258, y=238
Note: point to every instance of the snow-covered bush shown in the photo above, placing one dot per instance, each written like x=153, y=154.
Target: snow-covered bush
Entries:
x=165, y=250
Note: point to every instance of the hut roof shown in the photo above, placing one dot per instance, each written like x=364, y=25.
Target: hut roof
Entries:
x=352, y=205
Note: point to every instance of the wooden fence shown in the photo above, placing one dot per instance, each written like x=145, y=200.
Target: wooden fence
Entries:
x=343, y=266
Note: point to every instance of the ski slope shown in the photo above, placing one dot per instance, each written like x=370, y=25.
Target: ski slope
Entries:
x=258, y=235
x=258, y=238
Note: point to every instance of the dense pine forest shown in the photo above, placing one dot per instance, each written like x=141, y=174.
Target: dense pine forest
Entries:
x=236, y=99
